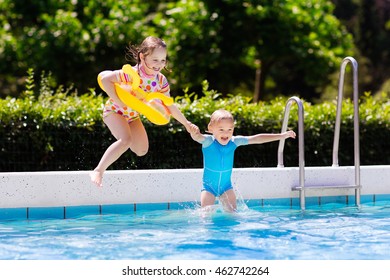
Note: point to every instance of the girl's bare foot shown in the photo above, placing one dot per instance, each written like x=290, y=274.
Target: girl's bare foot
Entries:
x=97, y=178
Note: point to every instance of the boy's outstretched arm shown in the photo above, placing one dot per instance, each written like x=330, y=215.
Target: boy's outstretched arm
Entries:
x=269, y=137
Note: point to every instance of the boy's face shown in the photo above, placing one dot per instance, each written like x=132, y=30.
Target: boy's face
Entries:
x=222, y=131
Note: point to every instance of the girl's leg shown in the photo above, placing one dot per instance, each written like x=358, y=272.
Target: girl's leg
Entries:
x=206, y=199
x=129, y=135
x=228, y=200
x=139, y=142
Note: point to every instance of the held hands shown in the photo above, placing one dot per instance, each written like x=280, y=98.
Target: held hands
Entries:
x=190, y=127
x=289, y=134
x=195, y=133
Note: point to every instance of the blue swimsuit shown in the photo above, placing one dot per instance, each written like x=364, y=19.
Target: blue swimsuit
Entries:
x=218, y=163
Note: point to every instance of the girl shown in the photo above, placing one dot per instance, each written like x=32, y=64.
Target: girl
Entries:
x=218, y=156
x=124, y=123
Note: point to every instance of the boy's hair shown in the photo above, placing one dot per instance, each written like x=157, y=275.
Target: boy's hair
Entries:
x=219, y=115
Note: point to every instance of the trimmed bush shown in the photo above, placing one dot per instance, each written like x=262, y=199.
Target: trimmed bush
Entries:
x=59, y=130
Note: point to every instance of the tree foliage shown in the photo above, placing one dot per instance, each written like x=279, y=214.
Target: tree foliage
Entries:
x=72, y=39
x=369, y=22
x=295, y=43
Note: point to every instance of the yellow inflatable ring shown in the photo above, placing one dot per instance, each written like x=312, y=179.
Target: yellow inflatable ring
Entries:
x=151, y=105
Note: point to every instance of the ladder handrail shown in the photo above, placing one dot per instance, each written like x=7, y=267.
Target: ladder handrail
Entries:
x=335, y=162
x=287, y=109
x=301, y=140
x=336, y=140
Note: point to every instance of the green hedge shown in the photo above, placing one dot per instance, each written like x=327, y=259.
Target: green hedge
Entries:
x=50, y=129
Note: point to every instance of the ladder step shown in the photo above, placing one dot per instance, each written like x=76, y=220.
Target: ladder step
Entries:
x=298, y=188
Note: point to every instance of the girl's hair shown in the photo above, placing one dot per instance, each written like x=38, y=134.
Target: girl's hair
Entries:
x=147, y=47
x=219, y=115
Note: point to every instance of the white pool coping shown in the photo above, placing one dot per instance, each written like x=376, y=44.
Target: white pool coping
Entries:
x=73, y=188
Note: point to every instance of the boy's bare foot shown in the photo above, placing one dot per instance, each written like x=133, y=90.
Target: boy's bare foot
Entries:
x=97, y=178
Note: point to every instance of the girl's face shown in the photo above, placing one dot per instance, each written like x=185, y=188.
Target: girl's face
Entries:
x=222, y=131
x=154, y=62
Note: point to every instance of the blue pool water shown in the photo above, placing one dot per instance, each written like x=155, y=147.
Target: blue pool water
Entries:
x=271, y=233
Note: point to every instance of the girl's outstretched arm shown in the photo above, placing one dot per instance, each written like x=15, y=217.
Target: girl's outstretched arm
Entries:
x=196, y=135
x=269, y=137
x=178, y=115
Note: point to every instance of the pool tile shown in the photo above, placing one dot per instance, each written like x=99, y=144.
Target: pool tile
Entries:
x=77, y=211
x=312, y=201
x=295, y=202
x=277, y=201
x=381, y=197
x=182, y=205
x=118, y=209
x=350, y=199
x=364, y=198
x=151, y=206
x=37, y=213
x=253, y=202
x=13, y=213
x=333, y=199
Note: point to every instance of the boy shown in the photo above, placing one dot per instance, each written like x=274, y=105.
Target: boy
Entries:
x=218, y=157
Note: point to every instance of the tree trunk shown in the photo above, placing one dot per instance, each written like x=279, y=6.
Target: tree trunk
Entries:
x=261, y=72
x=256, y=94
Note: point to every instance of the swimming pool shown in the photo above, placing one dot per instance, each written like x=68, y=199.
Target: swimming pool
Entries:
x=328, y=232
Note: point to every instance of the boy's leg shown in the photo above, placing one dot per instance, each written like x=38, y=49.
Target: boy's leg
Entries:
x=206, y=199
x=229, y=200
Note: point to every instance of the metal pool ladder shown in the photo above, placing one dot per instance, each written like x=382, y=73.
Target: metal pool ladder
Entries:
x=302, y=187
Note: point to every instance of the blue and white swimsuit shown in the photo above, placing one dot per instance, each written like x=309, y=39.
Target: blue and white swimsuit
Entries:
x=218, y=163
